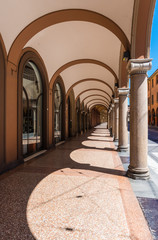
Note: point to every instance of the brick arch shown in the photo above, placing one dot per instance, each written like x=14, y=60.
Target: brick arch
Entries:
x=80, y=61
x=85, y=80
x=59, y=17
x=92, y=89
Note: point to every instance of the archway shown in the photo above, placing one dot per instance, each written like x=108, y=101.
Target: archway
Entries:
x=57, y=113
x=32, y=105
x=2, y=106
x=78, y=117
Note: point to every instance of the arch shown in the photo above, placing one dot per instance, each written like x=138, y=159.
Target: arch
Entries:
x=3, y=57
x=97, y=103
x=63, y=16
x=61, y=111
x=100, y=104
x=97, y=89
x=86, y=80
x=80, y=61
x=95, y=100
x=30, y=55
x=141, y=29
x=93, y=95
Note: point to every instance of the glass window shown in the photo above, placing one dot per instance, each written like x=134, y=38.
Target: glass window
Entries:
x=156, y=79
x=152, y=82
x=32, y=109
x=152, y=99
x=57, y=113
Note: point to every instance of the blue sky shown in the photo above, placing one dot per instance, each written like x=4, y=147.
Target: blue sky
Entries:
x=154, y=42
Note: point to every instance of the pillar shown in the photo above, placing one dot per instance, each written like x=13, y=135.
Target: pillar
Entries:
x=137, y=69
x=123, y=119
x=113, y=120
x=116, y=134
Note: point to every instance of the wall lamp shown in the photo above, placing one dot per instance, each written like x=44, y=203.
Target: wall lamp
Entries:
x=126, y=56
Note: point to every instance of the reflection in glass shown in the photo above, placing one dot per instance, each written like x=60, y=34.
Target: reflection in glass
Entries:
x=32, y=109
x=57, y=113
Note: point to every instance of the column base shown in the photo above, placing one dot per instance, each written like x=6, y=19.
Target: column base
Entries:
x=122, y=148
x=138, y=173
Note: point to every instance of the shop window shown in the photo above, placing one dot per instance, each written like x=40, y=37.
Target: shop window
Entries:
x=32, y=109
x=57, y=113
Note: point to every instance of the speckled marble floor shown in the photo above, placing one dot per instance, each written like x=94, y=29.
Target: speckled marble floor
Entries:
x=76, y=191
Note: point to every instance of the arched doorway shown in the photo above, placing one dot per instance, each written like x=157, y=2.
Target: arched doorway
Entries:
x=78, y=115
x=69, y=118
x=58, y=113
x=2, y=110
x=32, y=139
x=153, y=117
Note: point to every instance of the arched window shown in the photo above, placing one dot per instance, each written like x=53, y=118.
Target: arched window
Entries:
x=32, y=109
x=58, y=113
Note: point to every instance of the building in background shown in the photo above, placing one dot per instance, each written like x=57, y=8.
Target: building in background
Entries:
x=153, y=99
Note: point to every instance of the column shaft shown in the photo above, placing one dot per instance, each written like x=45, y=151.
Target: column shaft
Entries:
x=123, y=121
x=116, y=101
x=138, y=168
x=113, y=120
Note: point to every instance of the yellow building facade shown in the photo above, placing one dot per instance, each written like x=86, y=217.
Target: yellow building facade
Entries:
x=153, y=99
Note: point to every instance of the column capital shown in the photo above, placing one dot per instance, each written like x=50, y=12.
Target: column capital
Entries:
x=116, y=100
x=139, y=66
x=123, y=91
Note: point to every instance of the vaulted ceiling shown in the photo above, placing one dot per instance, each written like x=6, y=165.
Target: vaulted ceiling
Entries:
x=80, y=40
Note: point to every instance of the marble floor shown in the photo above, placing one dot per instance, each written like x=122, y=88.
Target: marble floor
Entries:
x=77, y=190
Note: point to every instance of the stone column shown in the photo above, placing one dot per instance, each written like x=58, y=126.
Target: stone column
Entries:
x=108, y=126
x=113, y=120
x=116, y=102
x=123, y=119
x=137, y=69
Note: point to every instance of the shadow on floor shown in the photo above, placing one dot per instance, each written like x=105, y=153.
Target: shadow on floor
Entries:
x=17, y=185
